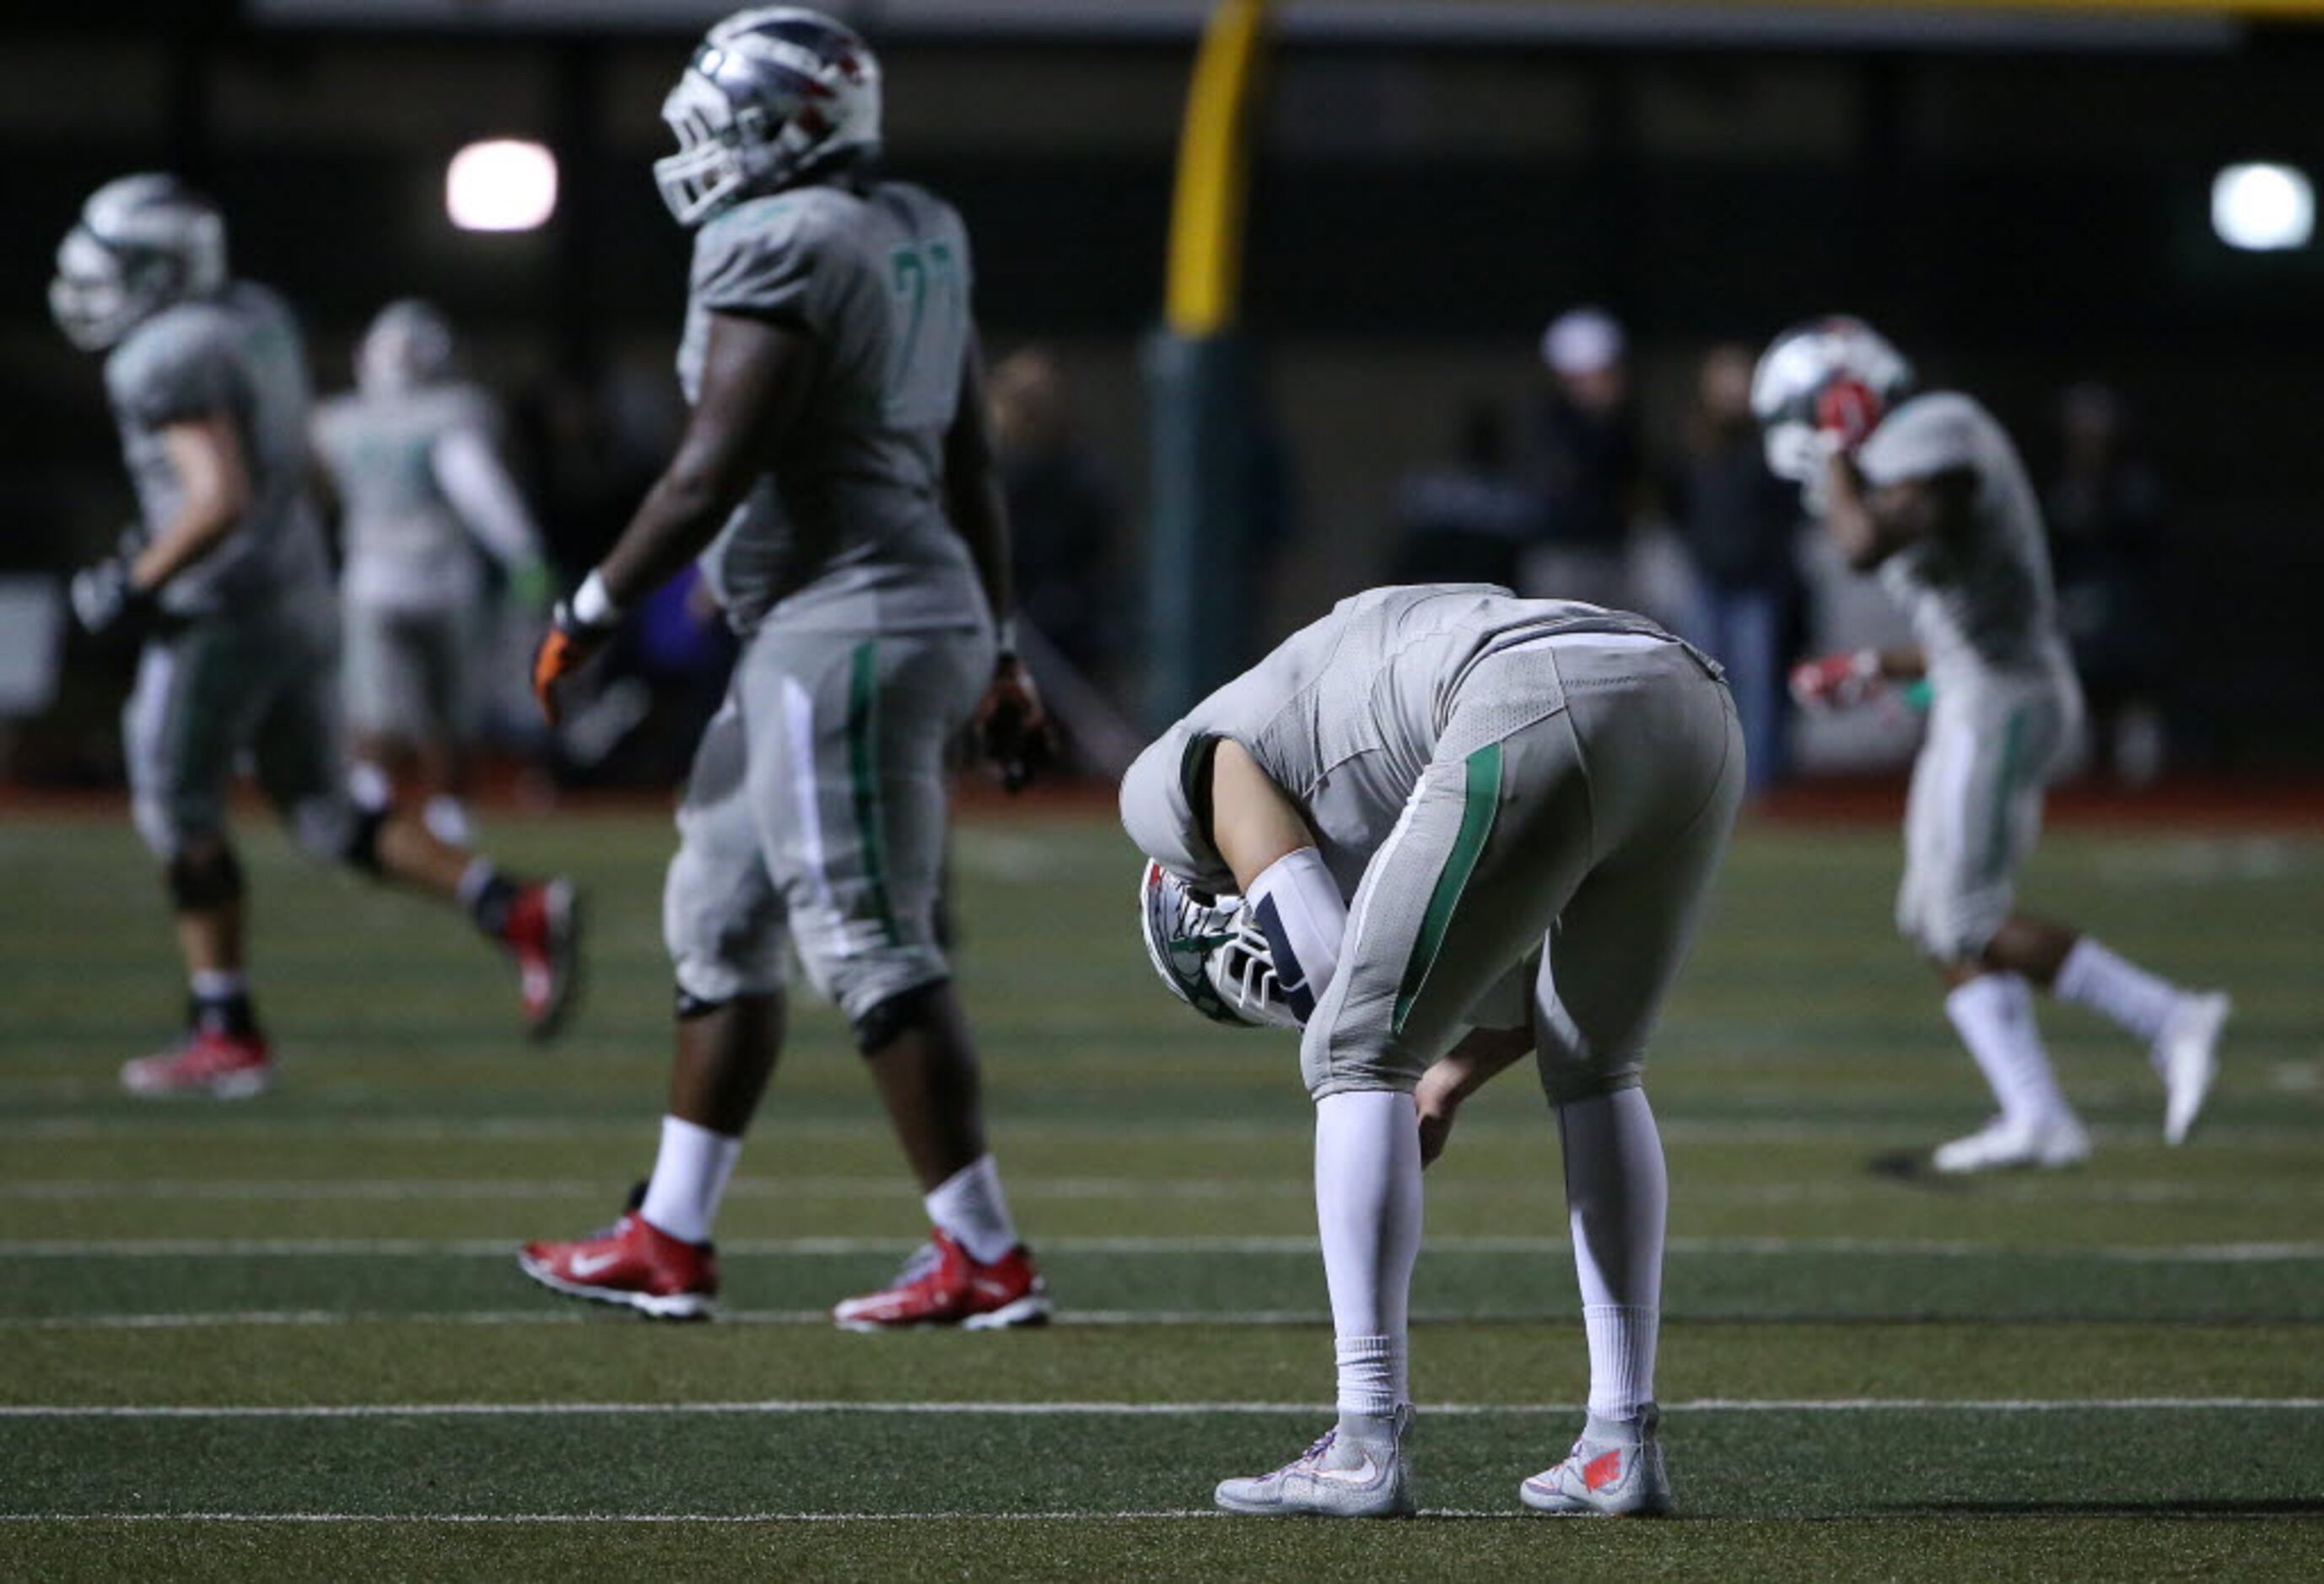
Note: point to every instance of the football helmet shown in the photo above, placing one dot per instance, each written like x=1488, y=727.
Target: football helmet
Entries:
x=773, y=96
x=1209, y=953
x=409, y=344
x=1801, y=368
x=144, y=242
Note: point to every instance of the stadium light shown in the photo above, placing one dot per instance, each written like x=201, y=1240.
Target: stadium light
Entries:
x=505, y=184
x=2263, y=207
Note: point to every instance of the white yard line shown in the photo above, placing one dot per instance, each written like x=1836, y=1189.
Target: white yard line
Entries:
x=573, y=1314
x=1077, y=1409
x=889, y=1186
x=1209, y=1246
x=1292, y=1128
x=461, y=1518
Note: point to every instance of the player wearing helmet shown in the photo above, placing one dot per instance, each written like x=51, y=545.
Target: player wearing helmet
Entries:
x=1927, y=492
x=226, y=580
x=410, y=453
x=836, y=472
x=1440, y=829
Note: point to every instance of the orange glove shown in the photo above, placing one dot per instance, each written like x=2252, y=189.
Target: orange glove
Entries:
x=1012, y=727
x=569, y=644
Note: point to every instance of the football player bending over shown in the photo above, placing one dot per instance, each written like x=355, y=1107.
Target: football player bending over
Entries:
x=411, y=454
x=838, y=437
x=225, y=579
x=1439, y=829
x=1928, y=492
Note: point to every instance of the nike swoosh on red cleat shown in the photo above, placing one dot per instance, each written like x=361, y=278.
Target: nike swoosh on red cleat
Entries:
x=590, y=1265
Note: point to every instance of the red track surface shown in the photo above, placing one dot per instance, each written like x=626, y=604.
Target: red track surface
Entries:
x=2180, y=805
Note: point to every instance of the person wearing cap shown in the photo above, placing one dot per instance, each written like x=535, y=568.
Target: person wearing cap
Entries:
x=1590, y=467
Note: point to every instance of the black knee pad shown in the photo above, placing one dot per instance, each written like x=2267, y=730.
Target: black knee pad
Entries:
x=688, y=1006
x=361, y=850
x=879, y=1027
x=199, y=884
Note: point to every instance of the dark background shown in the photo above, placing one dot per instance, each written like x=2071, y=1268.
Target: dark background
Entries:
x=2018, y=218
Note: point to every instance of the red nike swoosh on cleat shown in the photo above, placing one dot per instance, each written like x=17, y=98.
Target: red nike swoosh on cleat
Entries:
x=1602, y=1470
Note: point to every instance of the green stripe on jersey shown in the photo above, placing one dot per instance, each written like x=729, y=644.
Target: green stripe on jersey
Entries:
x=864, y=780
x=1481, y=802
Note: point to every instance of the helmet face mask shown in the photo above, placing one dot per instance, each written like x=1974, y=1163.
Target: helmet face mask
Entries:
x=142, y=242
x=773, y=97
x=1793, y=374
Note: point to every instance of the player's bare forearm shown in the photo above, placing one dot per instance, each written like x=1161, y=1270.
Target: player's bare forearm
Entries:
x=214, y=492
x=1855, y=531
x=1482, y=1055
x=756, y=377
x=973, y=489
x=1253, y=822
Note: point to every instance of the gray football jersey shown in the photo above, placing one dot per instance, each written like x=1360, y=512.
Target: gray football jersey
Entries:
x=237, y=352
x=848, y=530
x=1344, y=715
x=404, y=543
x=1984, y=603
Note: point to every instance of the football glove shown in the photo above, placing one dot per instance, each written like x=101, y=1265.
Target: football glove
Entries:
x=1013, y=726
x=569, y=644
x=1839, y=681
x=106, y=599
x=1845, y=411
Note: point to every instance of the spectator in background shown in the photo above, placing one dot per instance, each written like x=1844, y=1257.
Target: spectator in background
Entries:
x=1464, y=522
x=2105, y=511
x=1738, y=521
x=1590, y=470
x=1062, y=511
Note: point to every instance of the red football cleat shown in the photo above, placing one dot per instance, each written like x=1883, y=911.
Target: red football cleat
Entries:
x=543, y=934
x=223, y=1066
x=634, y=1262
x=940, y=1285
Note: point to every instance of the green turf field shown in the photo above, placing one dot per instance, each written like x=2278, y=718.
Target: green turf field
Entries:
x=287, y=1339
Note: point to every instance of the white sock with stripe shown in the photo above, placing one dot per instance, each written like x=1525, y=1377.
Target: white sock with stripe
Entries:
x=1368, y=1212
x=969, y=1208
x=1617, y=1200
x=1994, y=1014
x=2117, y=988
x=689, y=1178
x=1298, y=907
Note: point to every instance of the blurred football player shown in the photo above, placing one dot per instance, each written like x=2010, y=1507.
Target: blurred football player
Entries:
x=1440, y=829
x=224, y=579
x=410, y=454
x=1927, y=490
x=837, y=470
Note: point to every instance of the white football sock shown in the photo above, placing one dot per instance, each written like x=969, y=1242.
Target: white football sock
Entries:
x=447, y=818
x=473, y=881
x=1299, y=906
x=1994, y=1014
x=369, y=787
x=2116, y=988
x=689, y=1179
x=969, y=1208
x=217, y=984
x=1617, y=1199
x=1368, y=1212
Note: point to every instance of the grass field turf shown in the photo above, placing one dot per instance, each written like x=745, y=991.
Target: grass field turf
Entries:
x=2107, y=1374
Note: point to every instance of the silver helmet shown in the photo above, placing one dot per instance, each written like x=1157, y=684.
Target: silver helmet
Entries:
x=1803, y=362
x=409, y=344
x=143, y=242
x=773, y=96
